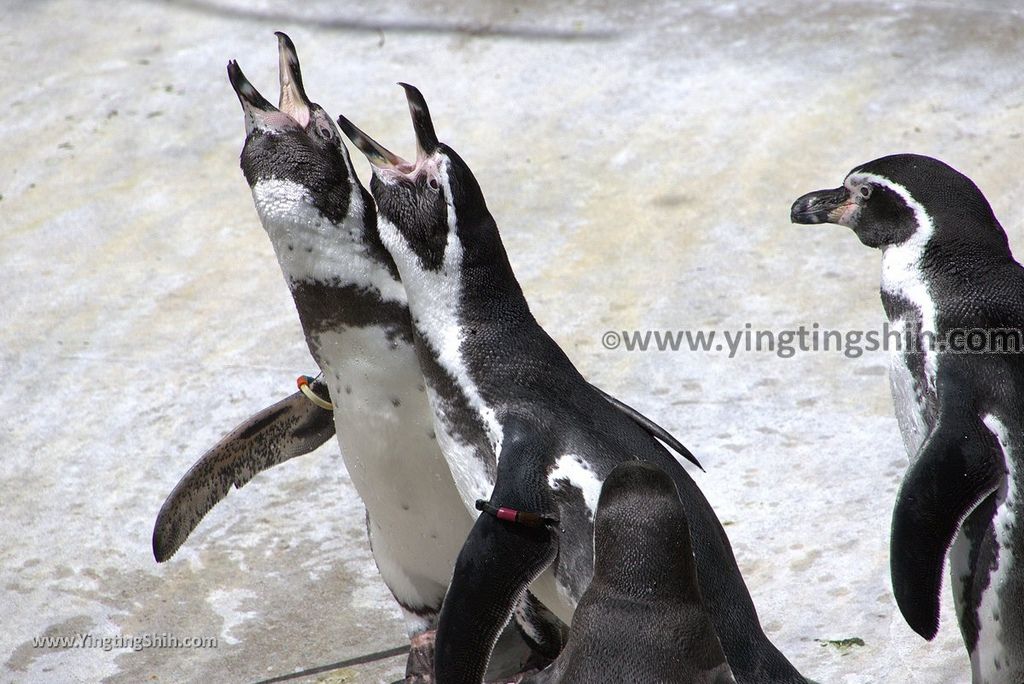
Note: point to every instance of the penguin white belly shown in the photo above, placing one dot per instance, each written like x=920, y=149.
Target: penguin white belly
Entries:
x=990, y=661
x=418, y=522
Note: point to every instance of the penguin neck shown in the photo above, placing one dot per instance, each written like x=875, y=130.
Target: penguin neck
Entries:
x=338, y=272
x=493, y=314
x=311, y=247
x=465, y=310
x=953, y=264
x=909, y=304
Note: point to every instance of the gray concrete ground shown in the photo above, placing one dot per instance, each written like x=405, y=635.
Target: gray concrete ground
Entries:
x=641, y=159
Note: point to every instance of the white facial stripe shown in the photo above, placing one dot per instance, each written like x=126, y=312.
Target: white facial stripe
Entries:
x=989, y=659
x=901, y=264
x=309, y=247
x=575, y=470
x=434, y=298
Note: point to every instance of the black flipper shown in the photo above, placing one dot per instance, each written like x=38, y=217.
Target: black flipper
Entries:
x=955, y=469
x=495, y=567
x=291, y=427
x=651, y=427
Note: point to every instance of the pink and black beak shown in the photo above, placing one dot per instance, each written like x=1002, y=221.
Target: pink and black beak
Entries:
x=379, y=156
x=293, y=106
x=821, y=206
x=259, y=113
x=382, y=158
x=293, y=100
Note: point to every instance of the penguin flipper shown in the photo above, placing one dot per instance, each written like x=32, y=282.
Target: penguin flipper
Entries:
x=956, y=468
x=292, y=427
x=499, y=560
x=651, y=427
x=497, y=563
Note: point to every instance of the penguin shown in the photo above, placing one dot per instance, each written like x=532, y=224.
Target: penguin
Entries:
x=642, y=618
x=352, y=307
x=949, y=282
x=322, y=224
x=537, y=438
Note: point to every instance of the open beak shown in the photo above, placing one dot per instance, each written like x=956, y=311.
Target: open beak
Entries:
x=293, y=101
x=426, y=139
x=379, y=156
x=260, y=114
x=822, y=206
x=382, y=158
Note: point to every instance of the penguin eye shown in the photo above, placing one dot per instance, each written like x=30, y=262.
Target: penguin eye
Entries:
x=865, y=191
x=434, y=185
x=325, y=132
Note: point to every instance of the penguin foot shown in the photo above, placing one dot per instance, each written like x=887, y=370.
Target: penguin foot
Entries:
x=419, y=668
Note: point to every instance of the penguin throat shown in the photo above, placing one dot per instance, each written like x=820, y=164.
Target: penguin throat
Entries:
x=312, y=249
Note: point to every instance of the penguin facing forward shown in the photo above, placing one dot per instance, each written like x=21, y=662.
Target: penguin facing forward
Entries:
x=352, y=307
x=642, y=619
x=501, y=388
x=952, y=287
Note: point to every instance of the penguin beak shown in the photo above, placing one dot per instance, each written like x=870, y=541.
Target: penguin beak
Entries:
x=379, y=156
x=426, y=138
x=260, y=114
x=293, y=100
x=383, y=159
x=822, y=206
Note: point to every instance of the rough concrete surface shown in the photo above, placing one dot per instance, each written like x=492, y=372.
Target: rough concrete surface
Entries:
x=640, y=159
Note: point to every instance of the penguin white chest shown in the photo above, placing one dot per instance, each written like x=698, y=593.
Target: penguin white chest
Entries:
x=309, y=247
x=913, y=389
x=381, y=414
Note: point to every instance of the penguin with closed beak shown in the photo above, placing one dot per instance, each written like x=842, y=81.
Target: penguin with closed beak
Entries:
x=952, y=288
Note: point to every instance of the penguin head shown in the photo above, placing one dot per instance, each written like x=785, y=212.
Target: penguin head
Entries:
x=903, y=197
x=434, y=202
x=297, y=140
x=642, y=541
